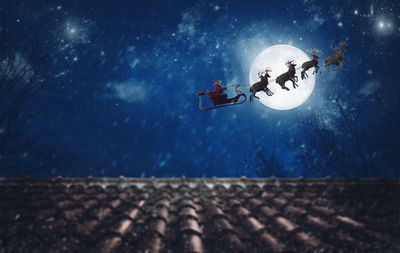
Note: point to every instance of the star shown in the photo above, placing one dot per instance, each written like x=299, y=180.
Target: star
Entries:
x=383, y=25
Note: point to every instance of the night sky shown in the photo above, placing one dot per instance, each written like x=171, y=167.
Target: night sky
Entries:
x=124, y=74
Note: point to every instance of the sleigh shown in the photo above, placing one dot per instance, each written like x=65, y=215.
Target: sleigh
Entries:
x=220, y=99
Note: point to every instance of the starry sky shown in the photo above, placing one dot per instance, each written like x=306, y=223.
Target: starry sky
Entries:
x=125, y=76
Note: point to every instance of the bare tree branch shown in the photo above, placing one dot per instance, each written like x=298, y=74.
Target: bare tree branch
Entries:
x=26, y=94
x=260, y=163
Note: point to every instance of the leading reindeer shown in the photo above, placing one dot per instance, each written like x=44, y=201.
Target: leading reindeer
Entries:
x=313, y=63
x=261, y=85
x=336, y=59
x=290, y=75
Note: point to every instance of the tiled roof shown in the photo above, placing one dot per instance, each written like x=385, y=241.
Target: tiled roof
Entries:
x=199, y=215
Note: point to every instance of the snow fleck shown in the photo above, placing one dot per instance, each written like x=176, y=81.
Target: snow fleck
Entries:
x=62, y=73
x=134, y=63
x=130, y=49
x=369, y=87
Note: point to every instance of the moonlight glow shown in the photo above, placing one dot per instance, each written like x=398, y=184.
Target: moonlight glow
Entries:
x=275, y=58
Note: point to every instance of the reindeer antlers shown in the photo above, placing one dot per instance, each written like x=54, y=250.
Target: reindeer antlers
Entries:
x=289, y=62
x=342, y=44
x=313, y=51
x=334, y=48
x=266, y=70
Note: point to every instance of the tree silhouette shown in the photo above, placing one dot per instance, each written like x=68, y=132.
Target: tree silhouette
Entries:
x=25, y=99
x=261, y=163
x=335, y=142
x=392, y=153
x=343, y=146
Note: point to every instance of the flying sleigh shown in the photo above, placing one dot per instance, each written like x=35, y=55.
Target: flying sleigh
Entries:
x=220, y=99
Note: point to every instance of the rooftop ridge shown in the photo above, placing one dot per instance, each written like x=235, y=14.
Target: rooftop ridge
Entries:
x=197, y=179
x=199, y=214
x=123, y=182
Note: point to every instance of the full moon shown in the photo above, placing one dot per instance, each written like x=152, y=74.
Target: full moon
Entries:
x=275, y=58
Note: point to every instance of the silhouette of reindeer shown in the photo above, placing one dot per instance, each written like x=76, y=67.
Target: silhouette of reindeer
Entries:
x=336, y=59
x=261, y=85
x=309, y=64
x=290, y=75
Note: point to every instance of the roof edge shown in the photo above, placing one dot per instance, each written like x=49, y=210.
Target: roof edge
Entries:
x=269, y=180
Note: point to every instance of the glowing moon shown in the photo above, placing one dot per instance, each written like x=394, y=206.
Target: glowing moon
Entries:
x=275, y=58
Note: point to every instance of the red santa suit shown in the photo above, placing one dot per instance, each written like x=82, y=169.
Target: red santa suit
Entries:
x=218, y=87
x=219, y=97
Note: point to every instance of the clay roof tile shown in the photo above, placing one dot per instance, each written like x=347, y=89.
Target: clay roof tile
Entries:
x=198, y=215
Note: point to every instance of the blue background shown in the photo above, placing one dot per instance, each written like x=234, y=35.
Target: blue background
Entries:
x=126, y=73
